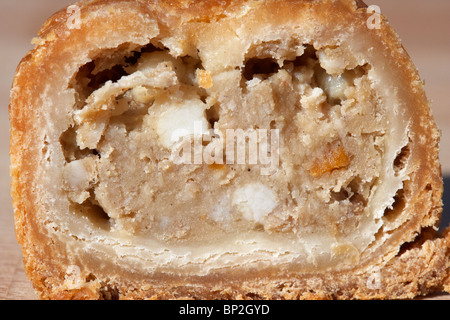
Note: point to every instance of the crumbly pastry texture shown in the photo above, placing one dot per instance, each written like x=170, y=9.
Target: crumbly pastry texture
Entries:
x=104, y=211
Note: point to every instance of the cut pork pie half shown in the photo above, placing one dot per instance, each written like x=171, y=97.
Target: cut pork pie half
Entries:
x=225, y=150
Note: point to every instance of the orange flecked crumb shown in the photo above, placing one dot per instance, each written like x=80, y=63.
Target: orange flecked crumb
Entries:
x=217, y=166
x=334, y=158
x=204, y=79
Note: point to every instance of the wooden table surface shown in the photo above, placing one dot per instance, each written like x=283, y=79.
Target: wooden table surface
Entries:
x=424, y=27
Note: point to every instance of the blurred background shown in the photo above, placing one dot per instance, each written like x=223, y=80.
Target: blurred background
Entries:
x=424, y=27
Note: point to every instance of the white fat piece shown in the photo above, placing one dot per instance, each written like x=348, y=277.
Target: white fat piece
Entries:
x=255, y=201
x=180, y=120
x=78, y=176
x=334, y=87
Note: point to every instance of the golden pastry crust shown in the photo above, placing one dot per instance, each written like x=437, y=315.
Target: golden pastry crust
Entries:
x=405, y=262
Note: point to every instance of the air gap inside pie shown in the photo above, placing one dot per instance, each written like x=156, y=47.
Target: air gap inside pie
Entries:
x=225, y=149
